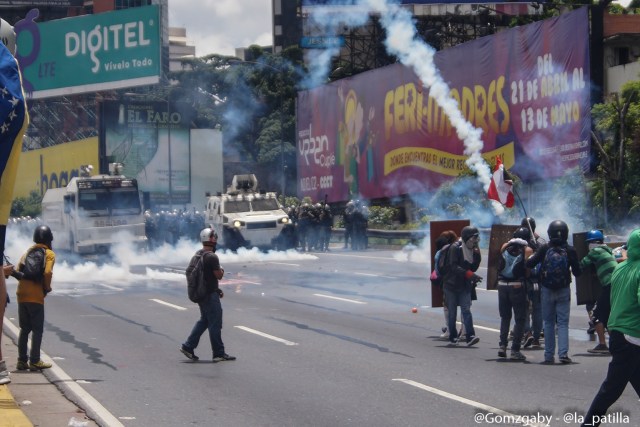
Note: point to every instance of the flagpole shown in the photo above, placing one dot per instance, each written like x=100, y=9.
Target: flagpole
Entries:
x=520, y=200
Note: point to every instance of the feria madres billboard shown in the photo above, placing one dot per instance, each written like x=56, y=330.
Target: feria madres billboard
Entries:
x=380, y=134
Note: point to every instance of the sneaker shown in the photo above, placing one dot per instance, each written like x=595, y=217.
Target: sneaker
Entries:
x=591, y=330
x=548, y=362
x=4, y=373
x=453, y=343
x=189, y=353
x=22, y=366
x=599, y=349
x=473, y=341
x=222, y=358
x=565, y=360
x=516, y=355
x=445, y=332
x=528, y=340
x=39, y=365
x=502, y=352
x=536, y=344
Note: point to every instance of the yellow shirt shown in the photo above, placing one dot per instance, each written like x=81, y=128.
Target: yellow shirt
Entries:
x=30, y=291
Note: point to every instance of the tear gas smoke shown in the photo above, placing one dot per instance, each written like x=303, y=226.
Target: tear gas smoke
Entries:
x=120, y=267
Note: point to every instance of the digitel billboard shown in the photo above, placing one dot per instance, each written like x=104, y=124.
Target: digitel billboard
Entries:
x=89, y=53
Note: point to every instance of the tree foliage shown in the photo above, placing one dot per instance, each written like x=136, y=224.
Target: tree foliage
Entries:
x=616, y=138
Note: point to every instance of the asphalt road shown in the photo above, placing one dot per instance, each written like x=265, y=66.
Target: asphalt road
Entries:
x=325, y=339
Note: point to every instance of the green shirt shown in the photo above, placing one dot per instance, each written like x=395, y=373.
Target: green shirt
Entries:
x=601, y=257
x=625, y=291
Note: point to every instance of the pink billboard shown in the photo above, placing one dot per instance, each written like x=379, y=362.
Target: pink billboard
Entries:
x=381, y=134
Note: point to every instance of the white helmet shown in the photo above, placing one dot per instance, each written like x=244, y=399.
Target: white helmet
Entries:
x=207, y=234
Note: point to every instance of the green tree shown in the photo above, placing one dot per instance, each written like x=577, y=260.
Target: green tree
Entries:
x=616, y=139
x=27, y=206
x=253, y=102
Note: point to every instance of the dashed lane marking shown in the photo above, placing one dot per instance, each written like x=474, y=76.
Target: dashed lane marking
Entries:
x=340, y=299
x=472, y=403
x=168, y=304
x=265, y=335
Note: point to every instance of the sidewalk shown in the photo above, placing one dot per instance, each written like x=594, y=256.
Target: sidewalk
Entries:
x=32, y=400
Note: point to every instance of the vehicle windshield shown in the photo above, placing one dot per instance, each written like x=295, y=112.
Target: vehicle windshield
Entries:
x=265, y=205
x=117, y=201
x=236, y=206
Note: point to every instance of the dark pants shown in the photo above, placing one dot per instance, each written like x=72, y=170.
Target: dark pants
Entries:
x=210, y=318
x=512, y=298
x=624, y=368
x=31, y=319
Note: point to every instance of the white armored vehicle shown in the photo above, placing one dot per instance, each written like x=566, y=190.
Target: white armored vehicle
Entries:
x=246, y=217
x=92, y=213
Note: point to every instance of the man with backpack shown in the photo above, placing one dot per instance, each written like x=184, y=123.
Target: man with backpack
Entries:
x=600, y=256
x=461, y=261
x=557, y=261
x=512, y=293
x=205, y=263
x=35, y=270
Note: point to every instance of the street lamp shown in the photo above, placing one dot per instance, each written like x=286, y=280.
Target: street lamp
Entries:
x=280, y=96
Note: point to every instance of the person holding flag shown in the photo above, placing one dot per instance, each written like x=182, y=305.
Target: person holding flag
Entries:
x=14, y=120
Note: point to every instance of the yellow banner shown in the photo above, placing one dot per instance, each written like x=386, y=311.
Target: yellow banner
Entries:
x=53, y=167
x=442, y=162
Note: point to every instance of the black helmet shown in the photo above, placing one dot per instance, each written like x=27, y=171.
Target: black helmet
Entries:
x=558, y=231
x=468, y=232
x=43, y=234
x=522, y=233
x=528, y=222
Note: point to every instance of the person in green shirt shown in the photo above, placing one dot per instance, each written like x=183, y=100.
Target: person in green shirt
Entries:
x=624, y=334
x=600, y=256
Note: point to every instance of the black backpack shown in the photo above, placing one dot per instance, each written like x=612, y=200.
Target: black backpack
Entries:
x=196, y=286
x=33, y=267
x=555, y=268
x=444, y=265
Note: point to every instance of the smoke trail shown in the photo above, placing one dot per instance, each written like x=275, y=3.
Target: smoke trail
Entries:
x=403, y=41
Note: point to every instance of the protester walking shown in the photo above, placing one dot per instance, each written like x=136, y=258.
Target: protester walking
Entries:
x=600, y=256
x=512, y=292
x=459, y=281
x=624, y=334
x=210, y=307
x=557, y=261
x=36, y=269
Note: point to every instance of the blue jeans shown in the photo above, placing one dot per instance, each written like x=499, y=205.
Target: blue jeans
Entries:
x=463, y=299
x=210, y=318
x=556, y=305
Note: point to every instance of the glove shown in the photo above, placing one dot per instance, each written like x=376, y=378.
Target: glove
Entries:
x=475, y=279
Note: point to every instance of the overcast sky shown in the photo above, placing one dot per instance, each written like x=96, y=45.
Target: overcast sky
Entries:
x=220, y=26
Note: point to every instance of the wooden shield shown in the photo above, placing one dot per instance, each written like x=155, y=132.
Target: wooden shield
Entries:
x=435, y=229
x=500, y=234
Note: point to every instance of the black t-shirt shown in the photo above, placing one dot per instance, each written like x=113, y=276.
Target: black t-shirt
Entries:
x=211, y=263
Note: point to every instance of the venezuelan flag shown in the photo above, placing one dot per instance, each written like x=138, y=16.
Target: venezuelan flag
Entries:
x=14, y=120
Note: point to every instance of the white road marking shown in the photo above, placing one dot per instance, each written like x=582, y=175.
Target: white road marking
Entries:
x=482, y=327
x=168, y=304
x=84, y=400
x=340, y=299
x=285, y=263
x=264, y=335
x=374, y=275
x=114, y=288
x=464, y=400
